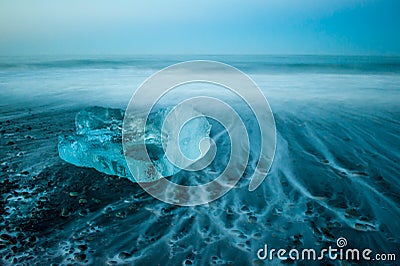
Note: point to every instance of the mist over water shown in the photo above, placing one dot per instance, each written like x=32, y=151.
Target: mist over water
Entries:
x=335, y=172
x=60, y=81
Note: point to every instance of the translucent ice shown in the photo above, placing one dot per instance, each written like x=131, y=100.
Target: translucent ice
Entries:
x=98, y=143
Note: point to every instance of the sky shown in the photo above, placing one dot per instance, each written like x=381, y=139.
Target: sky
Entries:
x=361, y=27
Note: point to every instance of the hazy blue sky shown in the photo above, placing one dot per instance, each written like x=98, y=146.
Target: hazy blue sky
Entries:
x=200, y=27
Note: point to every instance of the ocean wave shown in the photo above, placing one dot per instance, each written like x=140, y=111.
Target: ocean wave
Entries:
x=255, y=63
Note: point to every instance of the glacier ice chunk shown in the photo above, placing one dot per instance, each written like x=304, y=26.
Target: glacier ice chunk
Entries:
x=97, y=143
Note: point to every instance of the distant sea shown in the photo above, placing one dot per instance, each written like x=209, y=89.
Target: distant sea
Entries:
x=335, y=173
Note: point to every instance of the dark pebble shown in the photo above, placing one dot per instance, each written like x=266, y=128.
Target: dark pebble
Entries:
x=124, y=255
x=188, y=262
x=245, y=209
x=82, y=247
x=80, y=257
x=10, y=143
x=5, y=237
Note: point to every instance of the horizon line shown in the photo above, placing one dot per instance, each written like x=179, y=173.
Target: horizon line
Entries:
x=199, y=54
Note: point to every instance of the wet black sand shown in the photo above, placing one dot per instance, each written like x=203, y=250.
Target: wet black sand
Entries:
x=333, y=176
